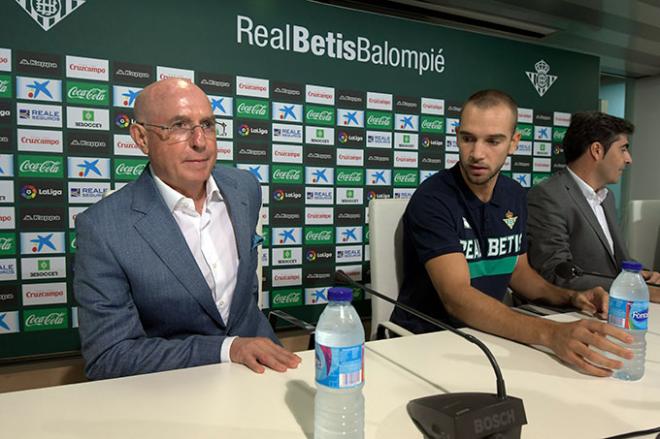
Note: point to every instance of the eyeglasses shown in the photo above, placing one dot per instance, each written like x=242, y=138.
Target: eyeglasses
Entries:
x=183, y=130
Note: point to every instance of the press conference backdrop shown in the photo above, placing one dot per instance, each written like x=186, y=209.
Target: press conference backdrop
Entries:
x=325, y=106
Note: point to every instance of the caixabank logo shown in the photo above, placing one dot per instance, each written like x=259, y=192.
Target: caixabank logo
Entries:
x=42, y=243
x=38, y=89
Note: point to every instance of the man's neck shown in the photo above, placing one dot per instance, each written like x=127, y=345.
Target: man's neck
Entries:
x=586, y=174
x=482, y=191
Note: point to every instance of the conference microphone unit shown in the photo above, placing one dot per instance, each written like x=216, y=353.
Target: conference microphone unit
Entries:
x=568, y=270
x=459, y=415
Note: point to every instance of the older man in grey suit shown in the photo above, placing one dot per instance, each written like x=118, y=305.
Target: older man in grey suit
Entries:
x=572, y=216
x=165, y=270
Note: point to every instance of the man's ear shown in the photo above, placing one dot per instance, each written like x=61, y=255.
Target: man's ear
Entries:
x=514, y=142
x=596, y=150
x=139, y=135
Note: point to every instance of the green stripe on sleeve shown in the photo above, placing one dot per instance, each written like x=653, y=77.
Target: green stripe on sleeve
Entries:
x=492, y=267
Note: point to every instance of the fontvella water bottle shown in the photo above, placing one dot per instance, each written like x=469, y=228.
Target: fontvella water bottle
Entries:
x=339, y=404
x=629, y=310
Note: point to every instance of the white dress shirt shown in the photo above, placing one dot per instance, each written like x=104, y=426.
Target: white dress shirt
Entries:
x=595, y=200
x=210, y=237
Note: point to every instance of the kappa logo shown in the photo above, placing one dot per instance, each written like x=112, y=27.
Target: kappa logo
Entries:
x=509, y=219
x=541, y=80
x=47, y=13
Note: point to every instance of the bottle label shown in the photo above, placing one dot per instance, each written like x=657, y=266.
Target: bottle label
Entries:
x=340, y=368
x=628, y=314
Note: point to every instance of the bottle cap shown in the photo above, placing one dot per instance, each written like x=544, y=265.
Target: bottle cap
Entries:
x=340, y=294
x=631, y=266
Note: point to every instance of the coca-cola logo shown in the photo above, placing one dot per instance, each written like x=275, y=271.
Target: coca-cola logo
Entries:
x=45, y=167
x=130, y=170
x=52, y=319
x=90, y=94
x=287, y=299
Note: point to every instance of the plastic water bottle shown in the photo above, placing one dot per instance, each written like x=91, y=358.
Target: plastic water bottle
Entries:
x=339, y=335
x=629, y=310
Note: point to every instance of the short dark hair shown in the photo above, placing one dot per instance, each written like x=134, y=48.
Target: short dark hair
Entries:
x=490, y=98
x=593, y=126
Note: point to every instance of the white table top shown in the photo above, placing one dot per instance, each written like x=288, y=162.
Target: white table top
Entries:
x=227, y=400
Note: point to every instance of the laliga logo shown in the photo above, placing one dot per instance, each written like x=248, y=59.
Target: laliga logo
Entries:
x=29, y=192
x=426, y=142
x=47, y=13
x=540, y=79
x=122, y=120
x=310, y=255
x=244, y=130
x=343, y=137
x=278, y=195
x=371, y=195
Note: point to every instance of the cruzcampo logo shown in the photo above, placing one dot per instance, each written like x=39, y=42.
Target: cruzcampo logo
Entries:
x=129, y=169
x=252, y=109
x=379, y=120
x=319, y=115
x=349, y=177
x=526, y=131
x=7, y=243
x=46, y=166
x=538, y=178
x=432, y=124
x=45, y=319
x=72, y=242
x=319, y=235
x=405, y=178
x=5, y=86
x=285, y=298
x=287, y=174
x=558, y=134
x=87, y=93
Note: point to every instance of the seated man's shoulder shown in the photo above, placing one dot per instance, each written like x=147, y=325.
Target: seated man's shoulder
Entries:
x=549, y=186
x=112, y=208
x=241, y=176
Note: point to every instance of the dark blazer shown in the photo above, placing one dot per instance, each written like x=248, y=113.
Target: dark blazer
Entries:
x=562, y=227
x=144, y=303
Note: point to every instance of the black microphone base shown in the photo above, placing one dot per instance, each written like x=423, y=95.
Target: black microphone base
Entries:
x=467, y=416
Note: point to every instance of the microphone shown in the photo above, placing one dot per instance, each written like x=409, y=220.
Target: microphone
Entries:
x=459, y=415
x=568, y=270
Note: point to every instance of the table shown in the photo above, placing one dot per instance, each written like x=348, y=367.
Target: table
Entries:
x=229, y=401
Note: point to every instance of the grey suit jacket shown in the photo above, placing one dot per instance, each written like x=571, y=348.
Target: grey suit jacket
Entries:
x=562, y=227
x=144, y=303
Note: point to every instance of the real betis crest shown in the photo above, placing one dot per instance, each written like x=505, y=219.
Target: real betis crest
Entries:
x=541, y=80
x=509, y=219
x=47, y=13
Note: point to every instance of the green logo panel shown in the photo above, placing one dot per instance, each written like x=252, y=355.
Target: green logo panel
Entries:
x=432, y=124
x=319, y=115
x=45, y=166
x=284, y=298
x=319, y=235
x=6, y=90
x=87, y=93
x=129, y=169
x=405, y=178
x=252, y=109
x=558, y=134
x=526, y=131
x=349, y=177
x=45, y=319
x=287, y=174
x=379, y=120
x=7, y=243
x=539, y=177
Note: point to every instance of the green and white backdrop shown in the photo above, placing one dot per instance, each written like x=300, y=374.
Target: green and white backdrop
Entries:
x=327, y=107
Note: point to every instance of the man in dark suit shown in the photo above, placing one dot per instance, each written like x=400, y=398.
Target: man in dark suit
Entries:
x=572, y=216
x=165, y=269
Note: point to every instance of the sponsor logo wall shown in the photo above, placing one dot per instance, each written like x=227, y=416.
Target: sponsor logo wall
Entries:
x=320, y=153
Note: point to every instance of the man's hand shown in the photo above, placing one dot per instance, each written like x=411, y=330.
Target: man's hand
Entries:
x=651, y=276
x=573, y=343
x=257, y=352
x=593, y=301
